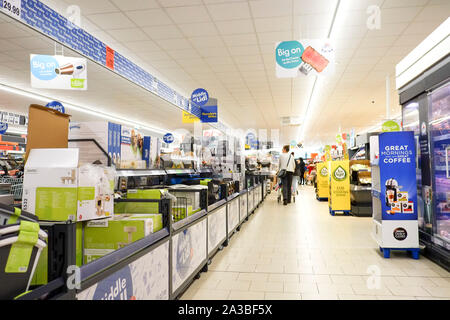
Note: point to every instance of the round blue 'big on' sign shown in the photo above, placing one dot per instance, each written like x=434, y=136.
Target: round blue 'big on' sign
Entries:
x=55, y=105
x=169, y=138
x=43, y=67
x=289, y=54
x=200, y=97
x=3, y=127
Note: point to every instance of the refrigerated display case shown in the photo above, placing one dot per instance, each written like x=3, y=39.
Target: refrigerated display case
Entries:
x=423, y=82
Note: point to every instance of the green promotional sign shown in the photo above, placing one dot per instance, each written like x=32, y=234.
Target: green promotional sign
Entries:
x=390, y=126
x=339, y=174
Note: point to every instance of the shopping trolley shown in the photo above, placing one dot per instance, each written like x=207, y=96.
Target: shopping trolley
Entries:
x=16, y=186
x=279, y=190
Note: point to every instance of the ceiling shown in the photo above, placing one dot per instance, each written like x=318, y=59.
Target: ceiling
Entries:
x=227, y=47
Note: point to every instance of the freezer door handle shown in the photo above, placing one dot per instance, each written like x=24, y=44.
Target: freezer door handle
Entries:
x=447, y=150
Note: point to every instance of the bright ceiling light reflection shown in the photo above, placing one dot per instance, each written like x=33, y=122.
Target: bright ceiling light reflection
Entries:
x=83, y=109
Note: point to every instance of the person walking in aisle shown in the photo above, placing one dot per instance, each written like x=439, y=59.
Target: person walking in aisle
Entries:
x=297, y=176
x=287, y=168
x=302, y=167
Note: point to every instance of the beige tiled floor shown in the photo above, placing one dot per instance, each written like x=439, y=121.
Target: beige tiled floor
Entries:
x=302, y=252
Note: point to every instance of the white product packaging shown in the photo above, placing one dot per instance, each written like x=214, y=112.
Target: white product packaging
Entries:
x=55, y=188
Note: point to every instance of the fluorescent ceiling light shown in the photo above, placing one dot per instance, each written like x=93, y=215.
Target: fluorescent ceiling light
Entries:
x=83, y=109
x=337, y=20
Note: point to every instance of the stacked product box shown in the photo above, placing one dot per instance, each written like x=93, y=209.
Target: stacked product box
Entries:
x=102, y=237
x=57, y=189
x=107, y=135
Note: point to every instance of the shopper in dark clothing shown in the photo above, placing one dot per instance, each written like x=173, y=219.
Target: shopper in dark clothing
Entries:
x=302, y=168
x=297, y=177
x=287, y=163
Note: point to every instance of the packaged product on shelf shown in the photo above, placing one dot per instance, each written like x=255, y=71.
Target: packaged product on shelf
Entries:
x=131, y=145
x=150, y=153
x=107, y=135
x=102, y=237
x=141, y=207
x=56, y=188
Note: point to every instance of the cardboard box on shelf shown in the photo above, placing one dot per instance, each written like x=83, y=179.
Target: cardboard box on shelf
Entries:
x=55, y=188
x=47, y=128
x=102, y=237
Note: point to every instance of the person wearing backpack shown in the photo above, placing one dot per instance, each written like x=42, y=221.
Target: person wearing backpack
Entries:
x=287, y=168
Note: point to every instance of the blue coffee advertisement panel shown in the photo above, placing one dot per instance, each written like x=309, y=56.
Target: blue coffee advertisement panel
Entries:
x=398, y=176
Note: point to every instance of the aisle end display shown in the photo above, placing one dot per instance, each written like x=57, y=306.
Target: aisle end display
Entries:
x=395, y=225
x=339, y=186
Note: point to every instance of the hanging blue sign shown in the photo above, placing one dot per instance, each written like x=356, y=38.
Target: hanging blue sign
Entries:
x=3, y=127
x=200, y=97
x=169, y=138
x=209, y=114
x=55, y=105
x=398, y=176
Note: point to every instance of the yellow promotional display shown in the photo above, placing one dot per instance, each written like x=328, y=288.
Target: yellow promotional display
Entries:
x=339, y=179
x=322, y=181
x=189, y=118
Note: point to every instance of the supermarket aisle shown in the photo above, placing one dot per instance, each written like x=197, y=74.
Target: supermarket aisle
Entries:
x=301, y=252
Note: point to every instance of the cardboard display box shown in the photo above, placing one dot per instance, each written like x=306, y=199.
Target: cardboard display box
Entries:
x=47, y=128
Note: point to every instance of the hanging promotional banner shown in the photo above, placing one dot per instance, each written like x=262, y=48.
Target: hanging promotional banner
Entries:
x=209, y=112
x=391, y=126
x=200, y=97
x=322, y=181
x=398, y=176
x=304, y=57
x=189, y=118
x=340, y=186
x=55, y=105
x=12, y=8
x=58, y=72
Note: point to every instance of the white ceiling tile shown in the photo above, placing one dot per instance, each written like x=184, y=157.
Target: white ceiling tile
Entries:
x=235, y=26
x=150, y=56
x=206, y=42
x=271, y=8
x=137, y=46
x=115, y=20
x=131, y=5
x=189, y=14
x=92, y=7
x=434, y=13
x=377, y=42
x=198, y=29
x=216, y=52
x=274, y=37
x=229, y=11
x=132, y=34
x=183, y=53
x=151, y=17
x=396, y=15
x=391, y=29
x=421, y=28
x=240, y=39
x=273, y=24
x=179, y=3
x=313, y=7
x=170, y=44
x=403, y=3
x=163, y=32
x=242, y=50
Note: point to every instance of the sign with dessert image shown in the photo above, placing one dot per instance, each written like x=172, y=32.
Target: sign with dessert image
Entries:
x=304, y=58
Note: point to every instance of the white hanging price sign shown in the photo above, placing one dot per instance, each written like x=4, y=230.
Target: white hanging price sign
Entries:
x=13, y=8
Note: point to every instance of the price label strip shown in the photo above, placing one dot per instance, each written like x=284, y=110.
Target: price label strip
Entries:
x=12, y=8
